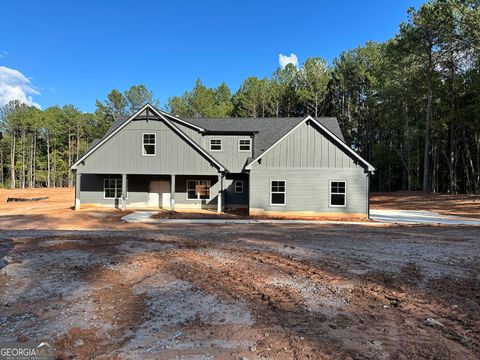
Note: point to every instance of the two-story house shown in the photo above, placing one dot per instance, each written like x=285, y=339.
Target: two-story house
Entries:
x=270, y=166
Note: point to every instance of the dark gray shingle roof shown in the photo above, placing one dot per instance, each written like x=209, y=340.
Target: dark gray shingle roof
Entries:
x=111, y=129
x=269, y=130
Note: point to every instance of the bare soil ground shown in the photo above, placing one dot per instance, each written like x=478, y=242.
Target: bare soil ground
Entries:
x=263, y=291
x=457, y=205
x=243, y=214
x=254, y=291
x=54, y=213
x=57, y=211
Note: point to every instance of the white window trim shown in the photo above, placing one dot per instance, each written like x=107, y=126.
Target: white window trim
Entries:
x=154, y=145
x=249, y=146
x=235, y=185
x=285, y=192
x=113, y=198
x=221, y=144
x=330, y=193
x=197, y=198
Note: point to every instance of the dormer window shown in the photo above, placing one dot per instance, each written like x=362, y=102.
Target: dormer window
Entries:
x=149, y=144
x=215, y=144
x=244, y=145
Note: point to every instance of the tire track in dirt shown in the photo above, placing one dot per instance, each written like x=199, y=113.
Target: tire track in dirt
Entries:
x=280, y=308
x=244, y=275
x=382, y=317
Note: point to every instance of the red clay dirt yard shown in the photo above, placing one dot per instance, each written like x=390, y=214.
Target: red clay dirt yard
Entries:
x=97, y=287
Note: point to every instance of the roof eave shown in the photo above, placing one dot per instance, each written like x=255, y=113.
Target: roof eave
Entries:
x=348, y=148
x=186, y=137
x=310, y=118
x=229, y=132
x=160, y=114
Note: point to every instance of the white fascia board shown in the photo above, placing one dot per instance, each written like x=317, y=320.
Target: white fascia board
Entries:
x=249, y=166
x=182, y=121
x=345, y=146
x=160, y=114
x=87, y=154
x=186, y=138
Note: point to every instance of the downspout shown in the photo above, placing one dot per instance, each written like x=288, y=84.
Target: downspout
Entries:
x=249, y=192
x=368, y=195
x=249, y=178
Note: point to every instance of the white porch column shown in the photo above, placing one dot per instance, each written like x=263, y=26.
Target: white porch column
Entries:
x=78, y=178
x=219, y=195
x=124, y=192
x=172, y=192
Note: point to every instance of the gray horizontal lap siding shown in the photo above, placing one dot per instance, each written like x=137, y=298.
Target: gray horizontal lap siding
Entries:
x=181, y=191
x=123, y=153
x=138, y=187
x=92, y=192
x=308, y=160
x=232, y=198
x=308, y=190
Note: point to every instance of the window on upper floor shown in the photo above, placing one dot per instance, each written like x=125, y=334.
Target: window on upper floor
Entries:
x=215, y=144
x=244, y=145
x=149, y=144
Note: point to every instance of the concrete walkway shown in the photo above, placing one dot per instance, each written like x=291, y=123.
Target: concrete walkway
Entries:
x=379, y=216
x=146, y=217
x=419, y=217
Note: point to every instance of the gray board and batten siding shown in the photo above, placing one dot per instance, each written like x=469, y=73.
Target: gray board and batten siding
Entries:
x=122, y=153
x=308, y=160
x=305, y=154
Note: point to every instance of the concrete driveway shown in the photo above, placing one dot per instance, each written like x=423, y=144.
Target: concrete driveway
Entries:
x=419, y=217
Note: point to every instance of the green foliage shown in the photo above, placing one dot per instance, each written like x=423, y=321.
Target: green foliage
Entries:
x=248, y=98
x=118, y=105
x=313, y=81
x=410, y=106
x=202, y=101
x=40, y=146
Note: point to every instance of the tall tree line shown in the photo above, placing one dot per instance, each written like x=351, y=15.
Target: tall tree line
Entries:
x=39, y=146
x=410, y=106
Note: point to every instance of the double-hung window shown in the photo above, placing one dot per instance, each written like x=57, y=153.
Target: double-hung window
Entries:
x=149, y=144
x=244, y=145
x=215, y=144
x=112, y=188
x=198, y=189
x=239, y=186
x=338, y=195
x=277, y=192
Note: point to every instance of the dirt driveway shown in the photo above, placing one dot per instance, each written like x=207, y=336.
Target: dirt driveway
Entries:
x=252, y=291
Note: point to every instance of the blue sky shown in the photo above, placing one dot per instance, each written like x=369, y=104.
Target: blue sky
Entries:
x=76, y=52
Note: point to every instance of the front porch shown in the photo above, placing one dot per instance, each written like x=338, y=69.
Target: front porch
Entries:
x=152, y=192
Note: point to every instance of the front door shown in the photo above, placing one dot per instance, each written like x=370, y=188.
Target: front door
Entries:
x=159, y=194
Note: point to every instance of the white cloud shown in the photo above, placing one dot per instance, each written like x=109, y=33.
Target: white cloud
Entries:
x=16, y=86
x=283, y=60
